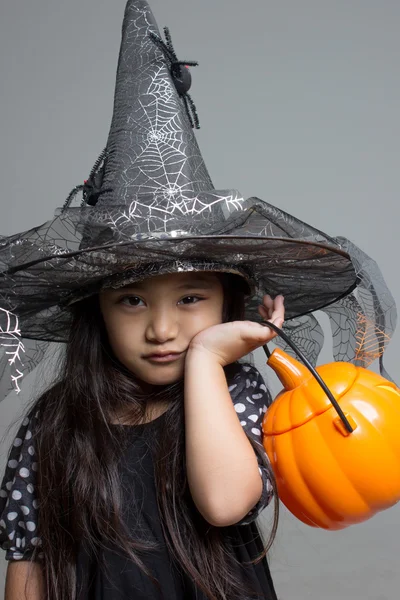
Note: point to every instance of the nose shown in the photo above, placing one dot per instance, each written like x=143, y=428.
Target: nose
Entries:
x=162, y=326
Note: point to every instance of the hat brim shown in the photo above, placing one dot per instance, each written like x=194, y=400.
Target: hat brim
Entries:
x=309, y=275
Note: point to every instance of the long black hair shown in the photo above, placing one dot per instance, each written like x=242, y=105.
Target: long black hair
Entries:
x=78, y=486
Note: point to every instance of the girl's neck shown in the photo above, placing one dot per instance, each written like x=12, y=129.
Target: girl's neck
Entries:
x=153, y=411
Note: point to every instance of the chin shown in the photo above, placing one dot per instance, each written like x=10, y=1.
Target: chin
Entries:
x=158, y=376
x=161, y=380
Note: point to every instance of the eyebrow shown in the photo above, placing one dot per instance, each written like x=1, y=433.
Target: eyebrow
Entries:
x=197, y=283
x=188, y=285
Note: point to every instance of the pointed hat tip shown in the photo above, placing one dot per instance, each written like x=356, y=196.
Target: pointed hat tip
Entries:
x=151, y=145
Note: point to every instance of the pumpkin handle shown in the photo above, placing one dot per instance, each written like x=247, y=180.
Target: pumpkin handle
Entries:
x=309, y=366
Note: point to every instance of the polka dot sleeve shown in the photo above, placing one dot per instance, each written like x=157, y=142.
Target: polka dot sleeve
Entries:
x=18, y=505
x=251, y=399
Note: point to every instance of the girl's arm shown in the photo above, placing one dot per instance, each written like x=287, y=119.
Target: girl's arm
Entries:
x=24, y=581
x=222, y=467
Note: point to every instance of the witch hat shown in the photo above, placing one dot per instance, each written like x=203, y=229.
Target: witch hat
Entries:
x=149, y=207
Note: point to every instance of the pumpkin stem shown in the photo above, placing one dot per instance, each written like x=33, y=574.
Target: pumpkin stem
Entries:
x=292, y=379
x=290, y=371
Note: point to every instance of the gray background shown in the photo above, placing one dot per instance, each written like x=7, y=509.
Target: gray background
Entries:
x=299, y=105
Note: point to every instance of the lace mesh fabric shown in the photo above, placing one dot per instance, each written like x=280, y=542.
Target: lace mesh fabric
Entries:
x=156, y=212
x=311, y=276
x=362, y=323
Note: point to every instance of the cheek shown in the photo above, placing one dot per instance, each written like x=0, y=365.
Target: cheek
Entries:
x=217, y=309
x=122, y=335
x=204, y=319
x=216, y=316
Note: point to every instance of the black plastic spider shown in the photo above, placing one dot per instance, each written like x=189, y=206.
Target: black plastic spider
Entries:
x=180, y=74
x=92, y=186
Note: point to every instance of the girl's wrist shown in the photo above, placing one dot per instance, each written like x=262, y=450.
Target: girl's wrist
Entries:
x=197, y=355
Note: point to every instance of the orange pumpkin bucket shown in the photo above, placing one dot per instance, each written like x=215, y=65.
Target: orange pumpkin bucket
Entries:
x=336, y=459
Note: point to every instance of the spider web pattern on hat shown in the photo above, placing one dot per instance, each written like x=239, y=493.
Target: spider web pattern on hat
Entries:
x=153, y=149
x=149, y=205
x=362, y=322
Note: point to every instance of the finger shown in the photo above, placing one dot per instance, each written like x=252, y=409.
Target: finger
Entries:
x=278, y=319
x=279, y=308
x=263, y=312
x=266, y=307
x=279, y=302
x=274, y=306
x=268, y=301
x=278, y=322
x=255, y=332
x=269, y=316
x=279, y=313
x=269, y=305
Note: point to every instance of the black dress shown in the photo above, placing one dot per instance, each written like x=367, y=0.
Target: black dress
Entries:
x=126, y=581
x=123, y=580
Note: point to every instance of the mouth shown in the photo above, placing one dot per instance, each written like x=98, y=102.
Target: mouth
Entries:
x=164, y=358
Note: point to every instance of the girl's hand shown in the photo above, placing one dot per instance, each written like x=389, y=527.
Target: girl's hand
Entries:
x=228, y=342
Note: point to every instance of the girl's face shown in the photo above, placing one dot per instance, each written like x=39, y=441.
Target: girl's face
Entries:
x=158, y=316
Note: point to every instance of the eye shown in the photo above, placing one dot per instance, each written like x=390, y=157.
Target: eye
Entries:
x=130, y=300
x=191, y=299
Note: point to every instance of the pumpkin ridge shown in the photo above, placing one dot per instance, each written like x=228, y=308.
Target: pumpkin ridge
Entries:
x=292, y=427
x=301, y=488
x=307, y=515
x=386, y=442
x=338, y=462
x=321, y=498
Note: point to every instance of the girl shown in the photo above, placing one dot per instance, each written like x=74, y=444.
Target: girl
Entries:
x=134, y=467
x=140, y=472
